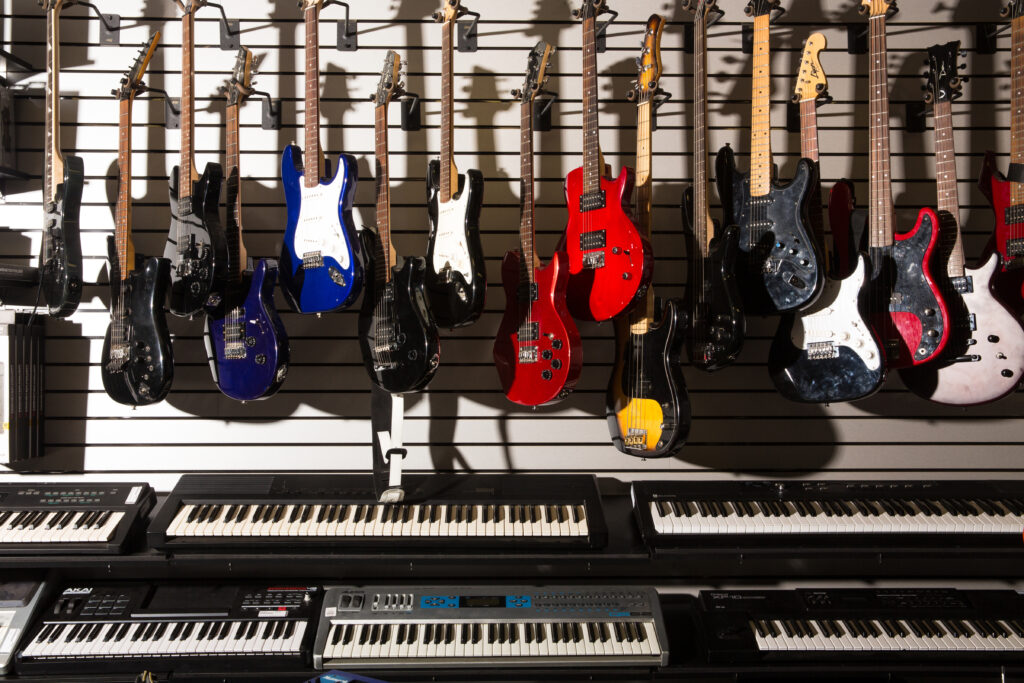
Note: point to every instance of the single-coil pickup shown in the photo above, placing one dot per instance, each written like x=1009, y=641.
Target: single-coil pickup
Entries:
x=592, y=239
x=1015, y=249
x=592, y=200
x=822, y=351
x=312, y=259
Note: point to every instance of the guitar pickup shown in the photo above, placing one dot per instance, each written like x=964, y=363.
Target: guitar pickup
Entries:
x=593, y=260
x=312, y=259
x=962, y=285
x=527, y=354
x=1015, y=251
x=529, y=332
x=592, y=201
x=1014, y=214
x=593, y=239
x=822, y=351
x=527, y=292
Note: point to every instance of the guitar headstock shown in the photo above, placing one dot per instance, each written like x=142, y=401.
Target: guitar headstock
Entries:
x=241, y=83
x=390, y=86
x=648, y=64
x=878, y=8
x=190, y=6
x=944, y=81
x=51, y=5
x=704, y=10
x=306, y=5
x=1015, y=10
x=536, y=72
x=811, y=82
x=590, y=9
x=759, y=8
x=131, y=82
x=450, y=11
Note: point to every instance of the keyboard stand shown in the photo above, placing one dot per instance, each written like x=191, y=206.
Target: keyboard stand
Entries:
x=387, y=412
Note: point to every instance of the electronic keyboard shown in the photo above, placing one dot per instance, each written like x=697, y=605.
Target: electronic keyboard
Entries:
x=678, y=516
x=383, y=627
x=331, y=512
x=18, y=602
x=80, y=518
x=133, y=627
x=906, y=624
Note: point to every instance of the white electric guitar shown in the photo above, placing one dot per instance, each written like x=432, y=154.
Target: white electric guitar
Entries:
x=984, y=357
x=456, y=280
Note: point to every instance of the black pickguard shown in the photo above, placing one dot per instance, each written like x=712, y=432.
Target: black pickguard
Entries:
x=144, y=374
x=61, y=263
x=397, y=334
x=652, y=364
x=199, y=272
x=778, y=265
x=716, y=324
x=453, y=302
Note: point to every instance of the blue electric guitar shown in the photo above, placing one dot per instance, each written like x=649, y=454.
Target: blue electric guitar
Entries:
x=245, y=341
x=321, y=260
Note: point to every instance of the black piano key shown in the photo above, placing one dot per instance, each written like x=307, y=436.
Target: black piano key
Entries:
x=335, y=633
x=1018, y=627
x=160, y=630
x=504, y=636
x=44, y=633
x=499, y=513
x=278, y=630
x=563, y=514
x=1014, y=505
x=150, y=629
x=411, y=634
x=464, y=633
x=289, y=629
x=449, y=634
x=530, y=633
x=307, y=512
x=492, y=634
x=758, y=626
x=787, y=625
x=268, y=628
x=293, y=516
x=385, y=633
x=435, y=513
x=364, y=634
x=438, y=634
x=578, y=513
x=348, y=634
x=477, y=633
x=513, y=633
x=798, y=627
x=773, y=630
x=985, y=506
x=279, y=511
x=556, y=632
x=56, y=633
x=224, y=631
x=93, y=632
x=541, y=633
x=631, y=633
x=912, y=623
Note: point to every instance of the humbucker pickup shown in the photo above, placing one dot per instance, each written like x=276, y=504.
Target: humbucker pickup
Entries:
x=822, y=351
x=1015, y=249
x=592, y=200
x=529, y=332
x=593, y=239
x=1014, y=215
x=962, y=285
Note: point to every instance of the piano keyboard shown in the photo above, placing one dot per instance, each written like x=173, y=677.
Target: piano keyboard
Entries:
x=811, y=624
x=174, y=627
x=58, y=518
x=18, y=601
x=382, y=627
x=674, y=511
x=207, y=513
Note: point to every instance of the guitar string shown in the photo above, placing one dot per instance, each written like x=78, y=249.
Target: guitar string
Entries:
x=699, y=192
x=1016, y=228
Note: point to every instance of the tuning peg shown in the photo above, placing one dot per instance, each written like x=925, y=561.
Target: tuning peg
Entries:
x=962, y=66
x=114, y=92
x=928, y=97
x=517, y=93
x=438, y=16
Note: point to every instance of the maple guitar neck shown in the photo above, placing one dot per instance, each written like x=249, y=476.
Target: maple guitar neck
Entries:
x=123, y=214
x=880, y=213
x=449, y=172
x=383, y=191
x=312, y=155
x=186, y=171
x=761, y=121
x=642, y=316
x=54, y=162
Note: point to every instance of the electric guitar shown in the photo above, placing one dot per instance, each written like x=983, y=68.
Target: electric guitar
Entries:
x=984, y=358
x=610, y=262
x=137, y=365
x=826, y=353
x=246, y=343
x=196, y=245
x=456, y=278
x=321, y=259
x=1006, y=192
x=778, y=265
x=905, y=305
x=397, y=334
x=537, y=350
x=60, y=259
x=647, y=406
x=714, y=333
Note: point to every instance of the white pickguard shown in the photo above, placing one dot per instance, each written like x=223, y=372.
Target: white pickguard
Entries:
x=834, y=320
x=968, y=383
x=450, y=248
x=319, y=226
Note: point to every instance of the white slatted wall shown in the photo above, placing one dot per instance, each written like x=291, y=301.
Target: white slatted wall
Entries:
x=320, y=418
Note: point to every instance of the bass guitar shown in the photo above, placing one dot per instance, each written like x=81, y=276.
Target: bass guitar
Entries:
x=246, y=343
x=321, y=259
x=905, y=305
x=778, y=264
x=647, y=406
x=456, y=276
x=1006, y=192
x=60, y=259
x=714, y=333
x=196, y=245
x=826, y=353
x=397, y=333
x=137, y=365
x=984, y=358
x=537, y=350
x=610, y=262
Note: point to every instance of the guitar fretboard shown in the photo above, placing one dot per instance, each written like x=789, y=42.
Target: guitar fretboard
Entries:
x=53, y=166
x=123, y=215
x=312, y=156
x=383, y=190
x=761, y=122
x=448, y=172
x=591, y=143
x=643, y=313
x=526, y=216
x=188, y=77
x=880, y=211
x=701, y=215
x=1017, y=102
x=809, y=150
x=234, y=170
x=946, y=179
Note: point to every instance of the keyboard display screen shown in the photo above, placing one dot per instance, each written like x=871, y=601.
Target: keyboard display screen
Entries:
x=191, y=600
x=482, y=601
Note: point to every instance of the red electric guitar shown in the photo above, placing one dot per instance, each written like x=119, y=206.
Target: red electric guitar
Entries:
x=610, y=262
x=537, y=350
x=1006, y=193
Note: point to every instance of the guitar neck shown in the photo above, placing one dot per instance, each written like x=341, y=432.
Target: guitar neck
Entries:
x=946, y=180
x=123, y=214
x=449, y=173
x=643, y=314
x=1017, y=102
x=383, y=190
x=591, y=143
x=186, y=170
x=761, y=120
x=312, y=155
x=881, y=210
x=234, y=173
x=809, y=150
x=702, y=226
x=53, y=169
x=526, y=215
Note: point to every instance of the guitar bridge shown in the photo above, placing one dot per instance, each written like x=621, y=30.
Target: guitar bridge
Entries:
x=312, y=260
x=592, y=201
x=822, y=351
x=635, y=438
x=527, y=354
x=593, y=260
x=593, y=239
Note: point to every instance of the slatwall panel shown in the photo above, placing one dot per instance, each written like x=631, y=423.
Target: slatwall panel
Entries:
x=320, y=420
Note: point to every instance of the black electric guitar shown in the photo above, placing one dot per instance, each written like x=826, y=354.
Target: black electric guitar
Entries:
x=456, y=278
x=136, y=364
x=647, y=406
x=60, y=259
x=714, y=333
x=196, y=244
x=778, y=264
x=397, y=333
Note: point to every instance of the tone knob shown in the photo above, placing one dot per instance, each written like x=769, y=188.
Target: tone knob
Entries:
x=546, y=374
x=556, y=364
x=1007, y=373
x=545, y=354
x=556, y=344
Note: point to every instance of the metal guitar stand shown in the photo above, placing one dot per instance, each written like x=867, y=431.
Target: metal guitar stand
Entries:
x=387, y=412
